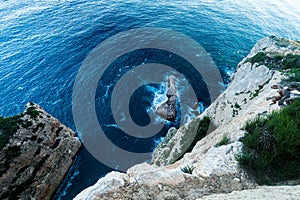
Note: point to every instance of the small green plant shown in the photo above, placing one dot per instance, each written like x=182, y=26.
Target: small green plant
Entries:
x=256, y=92
x=237, y=106
x=225, y=140
x=272, y=146
x=188, y=169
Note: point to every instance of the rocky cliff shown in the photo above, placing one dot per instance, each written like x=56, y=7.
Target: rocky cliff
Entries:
x=37, y=151
x=211, y=166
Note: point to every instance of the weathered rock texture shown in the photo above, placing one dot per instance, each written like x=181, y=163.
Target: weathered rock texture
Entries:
x=215, y=167
x=167, y=110
x=36, y=158
x=263, y=192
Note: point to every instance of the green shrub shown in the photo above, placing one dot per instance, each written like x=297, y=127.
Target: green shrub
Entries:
x=32, y=112
x=188, y=169
x=272, y=146
x=225, y=140
x=278, y=57
x=291, y=61
x=257, y=58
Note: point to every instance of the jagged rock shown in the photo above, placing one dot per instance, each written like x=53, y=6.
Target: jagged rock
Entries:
x=167, y=110
x=37, y=157
x=215, y=167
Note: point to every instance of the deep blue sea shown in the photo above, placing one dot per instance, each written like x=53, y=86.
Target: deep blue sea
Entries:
x=43, y=44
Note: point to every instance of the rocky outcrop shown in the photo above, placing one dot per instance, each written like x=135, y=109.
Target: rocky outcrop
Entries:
x=215, y=169
x=167, y=110
x=37, y=156
x=144, y=181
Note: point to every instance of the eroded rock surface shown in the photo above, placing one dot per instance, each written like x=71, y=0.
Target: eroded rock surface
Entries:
x=37, y=157
x=263, y=192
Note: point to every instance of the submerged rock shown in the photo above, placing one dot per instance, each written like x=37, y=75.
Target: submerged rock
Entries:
x=167, y=110
x=37, y=156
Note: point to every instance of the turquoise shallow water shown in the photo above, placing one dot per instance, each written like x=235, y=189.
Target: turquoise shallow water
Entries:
x=43, y=43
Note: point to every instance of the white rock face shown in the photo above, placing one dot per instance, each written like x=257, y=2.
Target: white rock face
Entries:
x=148, y=174
x=215, y=168
x=111, y=181
x=265, y=193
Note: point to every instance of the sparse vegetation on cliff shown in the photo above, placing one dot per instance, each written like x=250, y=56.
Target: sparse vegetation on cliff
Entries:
x=201, y=132
x=272, y=146
x=8, y=126
x=288, y=64
x=260, y=57
x=188, y=169
x=224, y=141
x=284, y=42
